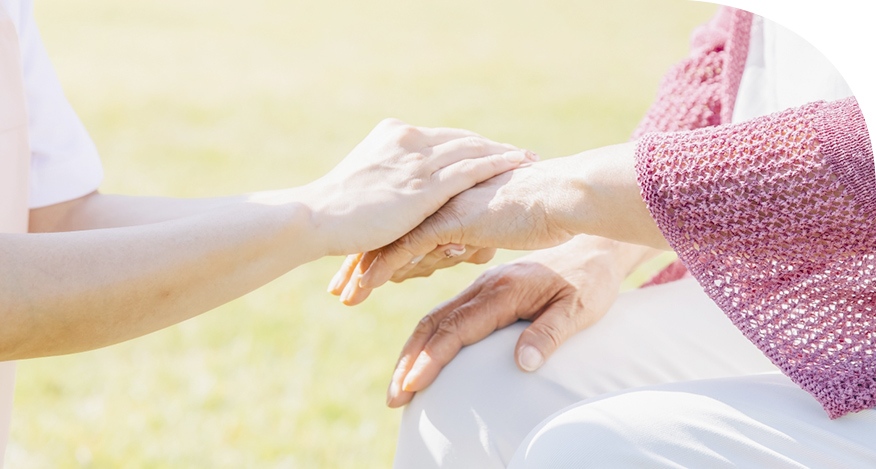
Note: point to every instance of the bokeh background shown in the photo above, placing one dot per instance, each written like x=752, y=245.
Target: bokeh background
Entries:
x=214, y=97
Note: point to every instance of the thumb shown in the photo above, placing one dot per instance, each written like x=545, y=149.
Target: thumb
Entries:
x=542, y=338
x=433, y=232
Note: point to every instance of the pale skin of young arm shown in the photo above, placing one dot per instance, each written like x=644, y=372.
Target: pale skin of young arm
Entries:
x=73, y=291
x=70, y=292
x=97, y=211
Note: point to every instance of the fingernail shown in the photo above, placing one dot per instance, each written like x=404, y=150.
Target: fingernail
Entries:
x=530, y=358
x=335, y=282
x=348, y=292
x=533, y=156
x=418, y=259
x=365, y=280
x=514, y=156
x=360, y=282
x=454, y=252
x=422, y=360
x=391, y=392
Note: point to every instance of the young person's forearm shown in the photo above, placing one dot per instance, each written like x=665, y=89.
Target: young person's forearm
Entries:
x=70, y=292
x=102, y=269
x=97, y=211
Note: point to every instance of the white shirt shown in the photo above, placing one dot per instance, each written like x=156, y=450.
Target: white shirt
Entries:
x=64, y=161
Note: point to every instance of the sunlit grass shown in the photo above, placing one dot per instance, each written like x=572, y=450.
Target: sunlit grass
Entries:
x=199, y=98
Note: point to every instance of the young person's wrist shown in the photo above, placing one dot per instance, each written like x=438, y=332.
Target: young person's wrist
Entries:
x=303, y=211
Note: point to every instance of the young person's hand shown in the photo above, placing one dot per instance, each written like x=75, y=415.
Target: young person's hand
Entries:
x=398, y=176
x=562, y=290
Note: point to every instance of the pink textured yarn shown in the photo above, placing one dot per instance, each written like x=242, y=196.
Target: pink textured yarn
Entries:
x=775, y=219
x=700, y=91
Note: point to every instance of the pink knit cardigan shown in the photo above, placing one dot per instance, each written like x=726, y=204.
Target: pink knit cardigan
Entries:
x=775, y=217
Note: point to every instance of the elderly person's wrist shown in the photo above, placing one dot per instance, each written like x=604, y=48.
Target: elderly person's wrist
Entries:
x=619, y=258
x=597, y=194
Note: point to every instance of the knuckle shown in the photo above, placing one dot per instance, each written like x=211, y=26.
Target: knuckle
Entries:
x=578, y=305
x=406, y=243
x=478, y=144
x=434, y=230
x=449, y=217
x=425, y=326
x=503, y=279
x=451, y=325
x=390, y=122
x=416, y=184
x=406, y=133
x=552, y=333
x=491, y=276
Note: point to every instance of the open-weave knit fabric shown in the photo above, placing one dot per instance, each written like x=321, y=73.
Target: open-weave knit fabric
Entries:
x=776, y=218
x=700, y=91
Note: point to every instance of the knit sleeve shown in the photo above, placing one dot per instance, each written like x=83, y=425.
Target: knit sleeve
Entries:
x=700, y=90
x=776, y=218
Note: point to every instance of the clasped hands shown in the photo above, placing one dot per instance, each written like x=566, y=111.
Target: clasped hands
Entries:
x=592, y=197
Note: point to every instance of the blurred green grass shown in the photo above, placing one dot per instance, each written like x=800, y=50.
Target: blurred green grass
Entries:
x=202, y=98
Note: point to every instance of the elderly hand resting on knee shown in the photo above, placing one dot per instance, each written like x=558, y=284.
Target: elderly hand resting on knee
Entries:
x=562, y=289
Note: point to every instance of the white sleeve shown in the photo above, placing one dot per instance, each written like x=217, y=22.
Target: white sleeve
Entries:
x=64, y=161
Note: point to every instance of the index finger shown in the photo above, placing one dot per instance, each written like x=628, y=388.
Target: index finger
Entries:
x=396, y=397
x=466, y=324
x=353, y=293
x=342, y=277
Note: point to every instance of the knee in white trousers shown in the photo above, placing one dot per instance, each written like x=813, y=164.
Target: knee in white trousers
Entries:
x=753, y=421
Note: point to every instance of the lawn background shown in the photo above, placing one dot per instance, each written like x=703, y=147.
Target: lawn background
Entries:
x=201, y=98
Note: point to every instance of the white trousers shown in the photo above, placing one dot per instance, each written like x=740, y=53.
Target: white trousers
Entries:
x=663, y=380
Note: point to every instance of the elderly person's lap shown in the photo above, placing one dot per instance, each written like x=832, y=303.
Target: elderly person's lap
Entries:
x=664, y=378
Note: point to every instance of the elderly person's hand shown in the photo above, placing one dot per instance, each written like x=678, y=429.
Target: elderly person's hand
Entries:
x=396, y=177
x=534, y=207
x=442, y=257
x=562, y=290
